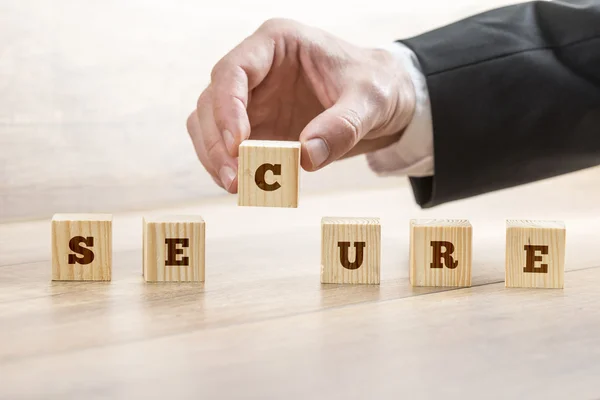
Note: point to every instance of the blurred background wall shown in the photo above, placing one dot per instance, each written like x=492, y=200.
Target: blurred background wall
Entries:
x=94, y=95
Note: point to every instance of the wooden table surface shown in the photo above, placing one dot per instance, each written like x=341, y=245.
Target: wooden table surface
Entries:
x=263, y=327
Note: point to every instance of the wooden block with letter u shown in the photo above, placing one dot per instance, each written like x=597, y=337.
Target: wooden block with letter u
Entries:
x=173, y=249
x=268, y=173
x=350, y=250
x=81, y=247
x=535, y=254
x=440, y=252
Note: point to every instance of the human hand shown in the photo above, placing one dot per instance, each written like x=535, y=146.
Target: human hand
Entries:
x=288, y=81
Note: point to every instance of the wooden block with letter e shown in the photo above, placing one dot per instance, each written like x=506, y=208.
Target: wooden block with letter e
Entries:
x=350, y=250
x=440, y=252
x=81, y=247
x=535, y=254
x=173, y=249
x=268, y=173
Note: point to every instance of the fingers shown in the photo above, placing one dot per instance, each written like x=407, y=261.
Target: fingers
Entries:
x=232, y=80
x=193, y=127
x=336, y=131
x=210, y=146
x=220, y=122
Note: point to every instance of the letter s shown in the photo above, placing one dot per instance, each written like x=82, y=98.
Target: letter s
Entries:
x=87, y=256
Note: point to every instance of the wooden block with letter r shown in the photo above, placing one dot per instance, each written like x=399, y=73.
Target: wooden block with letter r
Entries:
x=173, y=249
x=81, y=247
x=535, y=254
x=268, y=173
x=440, y=252
x=350, y=250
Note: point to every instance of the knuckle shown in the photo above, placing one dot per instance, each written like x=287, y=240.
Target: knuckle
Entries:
x=203, y=100
x=212, y=151
x=217, y=68
x=224, y=66
x=219, y=114
x=272, y=24
x=189, y=123
x=352, y=125
x=376, y=93
x=281, y=28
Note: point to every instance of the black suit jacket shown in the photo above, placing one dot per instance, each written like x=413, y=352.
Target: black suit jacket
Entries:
x=515, y=97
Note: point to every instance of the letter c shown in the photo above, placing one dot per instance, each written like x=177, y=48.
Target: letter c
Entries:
x=259, y=177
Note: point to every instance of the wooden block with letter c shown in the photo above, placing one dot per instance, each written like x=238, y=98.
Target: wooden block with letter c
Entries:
x=268, y=173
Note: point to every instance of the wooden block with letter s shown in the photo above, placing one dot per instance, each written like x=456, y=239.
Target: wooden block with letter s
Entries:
x=268, y=173
x=535, y=254
x=174, y=249
x=440, y=252
x=350, y=250
x=81, y=247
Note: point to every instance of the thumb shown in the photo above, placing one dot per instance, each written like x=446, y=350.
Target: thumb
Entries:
x=335, y=131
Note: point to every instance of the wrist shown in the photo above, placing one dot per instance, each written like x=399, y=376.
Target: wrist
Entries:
x=411, y=155
x=401, y=104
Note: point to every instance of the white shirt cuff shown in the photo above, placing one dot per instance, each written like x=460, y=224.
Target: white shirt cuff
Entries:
x=412, y=155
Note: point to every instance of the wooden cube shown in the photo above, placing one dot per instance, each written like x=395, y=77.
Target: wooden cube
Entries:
x=173, y=249
x=350, y=250
x=535, y=254
x=268, y=173
x=81, y=247
x=440, y=252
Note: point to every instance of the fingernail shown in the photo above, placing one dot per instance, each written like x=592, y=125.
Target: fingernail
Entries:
x=229, y=141
x=318, y=152
x=227, y=175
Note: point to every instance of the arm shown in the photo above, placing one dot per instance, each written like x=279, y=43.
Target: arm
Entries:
x=515, y=97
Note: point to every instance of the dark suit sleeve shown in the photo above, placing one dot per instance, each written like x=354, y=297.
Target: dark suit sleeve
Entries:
x=515, y=97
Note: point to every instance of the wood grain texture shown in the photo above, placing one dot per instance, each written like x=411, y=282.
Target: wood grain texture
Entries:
x=174, y=249
x=144, y=246
x=92, y=233
x=410, y=336
x=262, y=326
x=269, y=173
x=350, y=250
x=431, y=242
x=535, y=254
